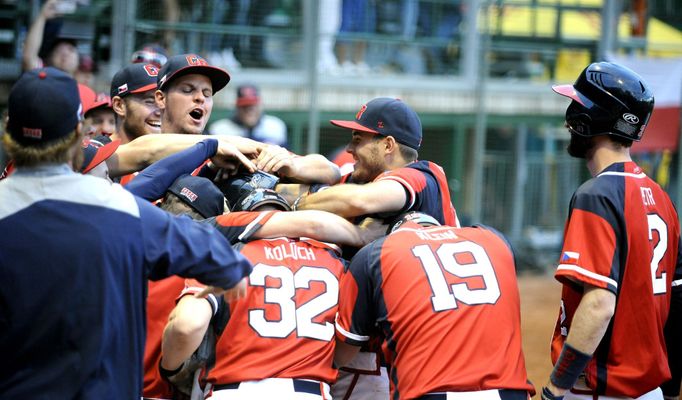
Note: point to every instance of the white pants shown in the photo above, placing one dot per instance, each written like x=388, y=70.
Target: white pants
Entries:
x=655, y=394
x=272, y=388
x=355, y=386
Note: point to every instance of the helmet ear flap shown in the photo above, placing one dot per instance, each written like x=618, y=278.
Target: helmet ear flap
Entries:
x=578, y=120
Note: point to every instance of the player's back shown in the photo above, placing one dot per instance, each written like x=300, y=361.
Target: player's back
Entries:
x=631, y=358
x=284, y=328
x=452, y=310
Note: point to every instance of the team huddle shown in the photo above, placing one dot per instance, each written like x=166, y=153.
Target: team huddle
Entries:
x=220, y=267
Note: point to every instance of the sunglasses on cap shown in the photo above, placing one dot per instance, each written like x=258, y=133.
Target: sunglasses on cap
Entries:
x=148, y=57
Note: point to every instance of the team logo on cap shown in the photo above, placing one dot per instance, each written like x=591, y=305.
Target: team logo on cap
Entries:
x=34, y=133
x=151, y=70
x=195, y=60
x=123, y=88
x=189, y=194
x=361, y=111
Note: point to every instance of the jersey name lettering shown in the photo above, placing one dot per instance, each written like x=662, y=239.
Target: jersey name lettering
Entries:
x=289, y=250
x=445, y=235
x=647, y=196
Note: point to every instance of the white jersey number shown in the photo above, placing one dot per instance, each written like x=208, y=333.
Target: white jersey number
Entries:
x=299, y=319
x=657, y=224
x=445, y=296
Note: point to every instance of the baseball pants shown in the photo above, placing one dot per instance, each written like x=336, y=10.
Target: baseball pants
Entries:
x=272, y=388
x=655, y=394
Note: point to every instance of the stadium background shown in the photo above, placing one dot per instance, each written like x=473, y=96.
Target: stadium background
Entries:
x=481, y=85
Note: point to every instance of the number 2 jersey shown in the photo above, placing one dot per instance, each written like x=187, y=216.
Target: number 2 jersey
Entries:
x=284, y=327
x=447, y=302
x=622, y=235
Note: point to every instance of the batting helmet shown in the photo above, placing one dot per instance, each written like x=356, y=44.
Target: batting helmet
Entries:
x=261, y=197
x=413, y=216
x=239, y=186
x=608, y=99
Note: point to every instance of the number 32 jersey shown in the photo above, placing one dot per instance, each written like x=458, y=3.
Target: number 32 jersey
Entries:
x=284, y=327
x=447, y=302
x=622, y=235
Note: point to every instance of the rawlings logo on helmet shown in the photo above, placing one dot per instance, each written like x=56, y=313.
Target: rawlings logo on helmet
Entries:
x=630, y=118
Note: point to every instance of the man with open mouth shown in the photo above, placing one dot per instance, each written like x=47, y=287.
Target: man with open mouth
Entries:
x=185, y=88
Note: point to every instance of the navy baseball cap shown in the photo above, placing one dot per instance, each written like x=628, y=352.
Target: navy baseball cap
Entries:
x=97, y=150
x=387, y=117
x=134, y=78
x=184, y=64
x=44, y=105
x=200, y=194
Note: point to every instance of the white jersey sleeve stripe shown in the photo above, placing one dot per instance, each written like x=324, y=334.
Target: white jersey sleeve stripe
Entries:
x=587, y=273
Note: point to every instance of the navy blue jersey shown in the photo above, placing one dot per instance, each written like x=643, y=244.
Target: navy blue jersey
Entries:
x=75, y=256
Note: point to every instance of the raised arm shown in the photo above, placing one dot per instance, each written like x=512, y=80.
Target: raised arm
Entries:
x=146, y=149
x=34, y=37
x=351, y=200
x=312, y=168
x=320, y=225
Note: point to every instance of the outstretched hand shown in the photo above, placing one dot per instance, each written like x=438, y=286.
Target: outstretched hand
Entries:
x=276, y=159
x=228, y=153
x=236, y=292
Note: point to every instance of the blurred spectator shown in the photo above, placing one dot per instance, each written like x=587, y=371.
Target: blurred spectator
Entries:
x=61, y=53
x=440, y=21
x=357, y=16
x=87, y=68
x=150, y=53
x=250, y=121
x=330, y=22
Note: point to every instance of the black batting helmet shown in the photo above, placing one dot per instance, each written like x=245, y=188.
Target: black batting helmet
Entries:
x=260, y=197
x=239, y=186
x=608, y=99
x=413, y=216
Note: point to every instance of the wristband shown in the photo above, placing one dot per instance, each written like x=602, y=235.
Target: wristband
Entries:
x=168, y=373
x=547, y=395
x=294, y=207
x=569, y=366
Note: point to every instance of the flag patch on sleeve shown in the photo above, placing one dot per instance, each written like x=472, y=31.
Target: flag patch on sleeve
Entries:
x=570, y=257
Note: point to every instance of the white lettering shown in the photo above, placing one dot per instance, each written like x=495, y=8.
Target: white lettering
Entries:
x=289, y=250
x=444, y=235
x=647, y=196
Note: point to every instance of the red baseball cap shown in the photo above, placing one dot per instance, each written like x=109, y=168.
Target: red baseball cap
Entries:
x=92, y=100
x=247, y=95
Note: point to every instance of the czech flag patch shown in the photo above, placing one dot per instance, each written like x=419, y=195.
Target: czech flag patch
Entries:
x=570, y=257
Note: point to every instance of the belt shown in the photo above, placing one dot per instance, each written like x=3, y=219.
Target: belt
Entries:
x=300, y=386
x=505, y=394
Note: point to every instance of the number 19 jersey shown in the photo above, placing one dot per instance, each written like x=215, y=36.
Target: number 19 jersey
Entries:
x=446, y=300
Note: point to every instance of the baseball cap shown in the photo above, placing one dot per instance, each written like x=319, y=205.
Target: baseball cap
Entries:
x=43, y=106
x=150, y=53
x=200, y=194
x=247, y=95
x=184, y=64
x=413, y=217
x=387, y=117
x=134, y=78
x=96, y=150
x=91, y=100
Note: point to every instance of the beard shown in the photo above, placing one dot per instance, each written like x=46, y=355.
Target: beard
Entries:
x=368, y=169
x=579, y=146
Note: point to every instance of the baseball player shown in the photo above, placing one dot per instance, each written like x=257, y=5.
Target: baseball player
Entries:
x=387, y=180
x=278, y=341
x=197, y=198
x=75, y=266
x=132, y=99
x=447, y=303
x=620, y=261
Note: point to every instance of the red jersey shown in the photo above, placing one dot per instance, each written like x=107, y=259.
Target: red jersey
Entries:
x=161, y=298
x=284, y=328
x=446, y=300
x=622, y=235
